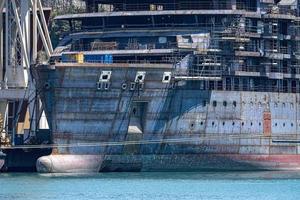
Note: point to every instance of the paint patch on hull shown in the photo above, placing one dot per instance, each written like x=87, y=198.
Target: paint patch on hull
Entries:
x=69, y=163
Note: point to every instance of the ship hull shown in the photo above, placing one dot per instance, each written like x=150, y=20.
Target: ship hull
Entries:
x=189, y=162
x=219, y=130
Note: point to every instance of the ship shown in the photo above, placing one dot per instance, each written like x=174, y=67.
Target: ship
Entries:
x=148, y=85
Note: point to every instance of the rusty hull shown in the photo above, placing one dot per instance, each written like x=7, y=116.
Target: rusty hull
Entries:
x=235, y=135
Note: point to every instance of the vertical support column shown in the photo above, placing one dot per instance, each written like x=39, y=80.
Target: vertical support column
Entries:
x=233, y=4
x=1, y=43
x=33, y=108
x=258, y=5
x=25, y=25
x=34, y=31
x=6, y=64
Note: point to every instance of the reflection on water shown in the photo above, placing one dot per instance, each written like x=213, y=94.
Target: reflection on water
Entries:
x=179, y=185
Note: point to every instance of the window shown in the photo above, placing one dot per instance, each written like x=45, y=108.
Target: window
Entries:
x=224, y=103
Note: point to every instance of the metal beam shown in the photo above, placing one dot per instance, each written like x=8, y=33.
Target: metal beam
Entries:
x=44, y=23
x=2, y=2
x=19, y=29
x=34, y=31
x=41, y=33
x=44, y=37
x=12, y=94
x=25, y=25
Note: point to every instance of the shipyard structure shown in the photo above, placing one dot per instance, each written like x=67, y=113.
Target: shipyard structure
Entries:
x=164, y=85
x=23, y=35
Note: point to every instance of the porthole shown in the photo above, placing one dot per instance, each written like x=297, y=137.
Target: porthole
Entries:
x=233, y=123
x=234, y=104
x=214, y=103
x=201, y=123
x=292, y=124
x=251, y=123
x=192, y=125
x=124, y=86
x=223, y=123
x=213, y=123
x=47, y=86
x=243, y=123
x=259, y=123
x=275, y=124
x=283, y=124
x=224, y=103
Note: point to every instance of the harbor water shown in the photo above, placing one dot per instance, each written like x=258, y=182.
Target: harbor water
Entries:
x=152, y=186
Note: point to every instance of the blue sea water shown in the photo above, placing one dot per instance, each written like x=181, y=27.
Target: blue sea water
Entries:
x=152, y=186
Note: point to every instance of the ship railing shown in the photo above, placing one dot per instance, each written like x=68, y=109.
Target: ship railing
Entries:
x=218, y=28
x=281, y=10
x=282, y=50
x=114, y=45
x=128, y=61
x=186, y=5
x=249, y=68
x=261, y=88
x=202, y=72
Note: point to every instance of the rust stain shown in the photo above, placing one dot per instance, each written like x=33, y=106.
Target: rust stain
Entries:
x=267, y=124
